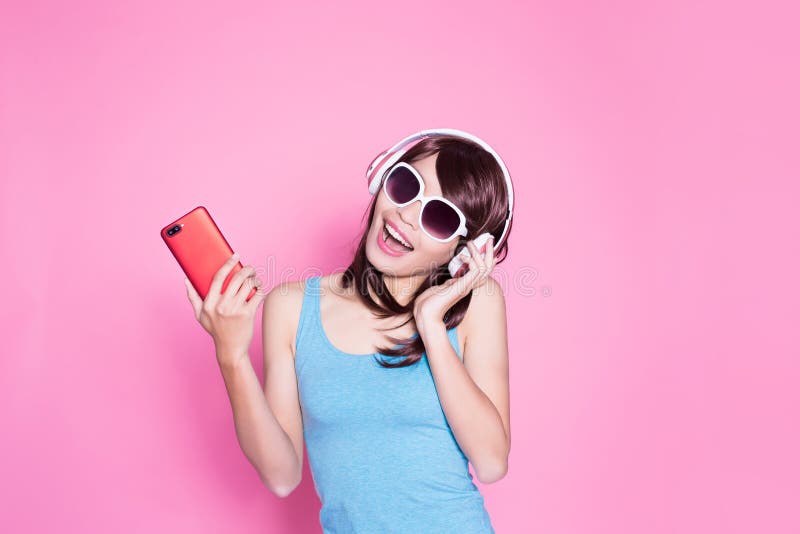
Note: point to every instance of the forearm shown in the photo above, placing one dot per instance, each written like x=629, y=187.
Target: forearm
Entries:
x=261, y=437
x=472, y=416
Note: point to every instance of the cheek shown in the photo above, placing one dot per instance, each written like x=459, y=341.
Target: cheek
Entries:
x=381, y=206
x=378, y=213
x=439, y=252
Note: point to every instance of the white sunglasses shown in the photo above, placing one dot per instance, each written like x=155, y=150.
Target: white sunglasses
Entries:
x=440, y=219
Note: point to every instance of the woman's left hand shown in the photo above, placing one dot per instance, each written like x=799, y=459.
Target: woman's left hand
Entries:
x=434, y=302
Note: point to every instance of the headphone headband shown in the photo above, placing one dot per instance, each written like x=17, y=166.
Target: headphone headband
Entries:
x=390, y=156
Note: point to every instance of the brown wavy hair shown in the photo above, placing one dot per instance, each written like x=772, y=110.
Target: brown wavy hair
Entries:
x=471, y=178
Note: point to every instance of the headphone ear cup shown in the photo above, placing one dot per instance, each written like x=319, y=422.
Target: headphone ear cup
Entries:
x=371, y=175
x=387, y=159
x=459, y=264
x=371, y=172
x=373, y=185
x=374, y=175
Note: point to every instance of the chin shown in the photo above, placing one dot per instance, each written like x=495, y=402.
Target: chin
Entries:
x=393, y=266
x=383, y=264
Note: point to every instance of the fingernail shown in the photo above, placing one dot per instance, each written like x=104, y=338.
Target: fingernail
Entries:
x=235, y=256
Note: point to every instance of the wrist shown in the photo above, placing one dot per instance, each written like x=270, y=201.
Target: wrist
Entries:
x=230, y=356
x=427, y=325
x=232, y=367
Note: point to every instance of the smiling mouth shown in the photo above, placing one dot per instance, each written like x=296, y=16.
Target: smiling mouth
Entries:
x=393, y=243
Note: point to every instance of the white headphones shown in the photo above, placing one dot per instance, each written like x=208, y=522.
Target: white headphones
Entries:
x=384, y=161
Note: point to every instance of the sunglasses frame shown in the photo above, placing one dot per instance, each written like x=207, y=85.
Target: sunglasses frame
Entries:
x=462, y=227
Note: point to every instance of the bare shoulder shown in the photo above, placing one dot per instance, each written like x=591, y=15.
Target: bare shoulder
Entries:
x=281, y=310
x=487, y=309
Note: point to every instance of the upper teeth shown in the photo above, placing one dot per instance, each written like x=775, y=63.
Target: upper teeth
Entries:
x=397, y=236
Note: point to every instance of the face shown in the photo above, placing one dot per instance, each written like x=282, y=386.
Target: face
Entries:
x=427, y=254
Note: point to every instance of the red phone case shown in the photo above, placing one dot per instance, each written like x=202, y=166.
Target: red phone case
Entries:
x=201, y=249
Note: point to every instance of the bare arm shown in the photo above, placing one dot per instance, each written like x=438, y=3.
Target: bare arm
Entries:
x=475, y=395
x=261, y=437
x=267, y=420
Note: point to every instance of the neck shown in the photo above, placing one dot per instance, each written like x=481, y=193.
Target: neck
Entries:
x=402, y=288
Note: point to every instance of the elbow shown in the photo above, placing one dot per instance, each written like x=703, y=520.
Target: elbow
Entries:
x=281, y=490
x=283, y=481
x=493, y=472
x=495, y=467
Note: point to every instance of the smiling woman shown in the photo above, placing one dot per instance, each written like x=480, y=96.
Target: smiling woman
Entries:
x=390, y=431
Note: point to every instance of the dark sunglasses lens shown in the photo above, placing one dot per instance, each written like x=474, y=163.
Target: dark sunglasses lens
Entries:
x=440, y=219
x=401, y=185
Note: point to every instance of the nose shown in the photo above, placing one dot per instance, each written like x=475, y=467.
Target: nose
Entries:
x=409, y=213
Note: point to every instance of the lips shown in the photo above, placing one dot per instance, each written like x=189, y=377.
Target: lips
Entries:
x=385, y=247
x=396, y=229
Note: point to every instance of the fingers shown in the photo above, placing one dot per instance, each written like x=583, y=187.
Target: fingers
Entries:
x=475, y=258
x=474, y=267
x=257, y=299
x=490, y=253
x=216, y=283
x=486, y=257
x=481, y=264
x=236, y=283
x=246, y=280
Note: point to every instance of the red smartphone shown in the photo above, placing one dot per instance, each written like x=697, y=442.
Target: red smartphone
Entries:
x=201, y=249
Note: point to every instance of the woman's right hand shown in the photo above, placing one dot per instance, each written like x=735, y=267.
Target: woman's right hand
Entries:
x=227, y=316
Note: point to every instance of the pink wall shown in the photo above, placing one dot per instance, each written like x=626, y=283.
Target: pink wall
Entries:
x=654, y=369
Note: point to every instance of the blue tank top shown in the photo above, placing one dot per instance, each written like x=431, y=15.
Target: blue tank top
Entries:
x=383, y=457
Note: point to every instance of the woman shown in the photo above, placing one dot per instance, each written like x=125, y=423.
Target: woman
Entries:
x=389, y=429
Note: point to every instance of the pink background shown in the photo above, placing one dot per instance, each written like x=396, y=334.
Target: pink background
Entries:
x=654, y=367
